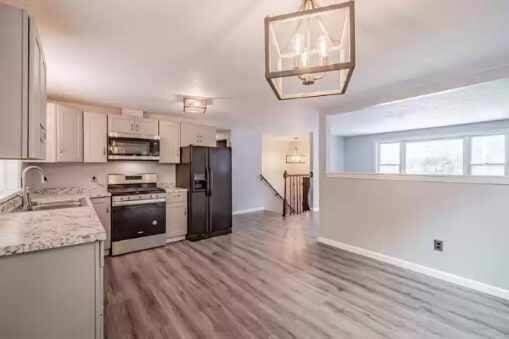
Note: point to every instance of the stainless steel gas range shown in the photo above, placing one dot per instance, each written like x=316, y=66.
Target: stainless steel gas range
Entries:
x=138, y=218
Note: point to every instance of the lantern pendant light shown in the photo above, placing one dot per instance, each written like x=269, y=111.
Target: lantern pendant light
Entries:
x=310, y=52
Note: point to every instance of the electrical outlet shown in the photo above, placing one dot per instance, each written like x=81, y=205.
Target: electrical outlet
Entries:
x=438, y=245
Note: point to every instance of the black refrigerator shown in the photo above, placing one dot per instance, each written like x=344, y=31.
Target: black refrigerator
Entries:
x=207, y=174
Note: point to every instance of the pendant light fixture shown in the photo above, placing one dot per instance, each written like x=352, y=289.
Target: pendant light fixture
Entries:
x=310, y=52
x=294, y=156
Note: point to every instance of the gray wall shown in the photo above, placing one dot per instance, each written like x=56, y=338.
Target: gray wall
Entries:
x=360, y=151
x=401, y=219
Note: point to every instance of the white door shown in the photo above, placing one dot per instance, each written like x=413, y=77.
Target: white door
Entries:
x=208, y=136
x=69, y=134
x=188, y=134
x=102, y=207
x=118, y=124
x=169, y=133
x=95, y=137
x=176, y=224
x=35, y=139
x=147, y=127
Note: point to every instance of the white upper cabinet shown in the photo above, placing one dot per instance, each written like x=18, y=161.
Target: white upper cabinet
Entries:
x=197, y=135
x=169, y=133
x=69, y=134
x=22, y=87
x=132, y=127
x=65, y=134
x=95, y=129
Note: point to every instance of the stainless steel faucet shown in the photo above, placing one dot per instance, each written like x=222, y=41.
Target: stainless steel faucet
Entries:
x=27, y=201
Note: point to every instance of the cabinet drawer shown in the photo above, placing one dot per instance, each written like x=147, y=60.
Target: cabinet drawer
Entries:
x=177, y=197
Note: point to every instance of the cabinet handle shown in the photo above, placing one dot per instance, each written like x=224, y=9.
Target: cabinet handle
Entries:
x=185, y=212
x=107, y=210
x=104, y=151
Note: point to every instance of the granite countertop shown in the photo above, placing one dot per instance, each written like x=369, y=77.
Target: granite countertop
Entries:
x=171, y=188
x=55, y=194
x=23, y=232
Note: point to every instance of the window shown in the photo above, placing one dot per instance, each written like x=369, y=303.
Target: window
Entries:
x=479, y=155
x=436, y=157
x=488, y=155
x=9, y=176
x=389, y=158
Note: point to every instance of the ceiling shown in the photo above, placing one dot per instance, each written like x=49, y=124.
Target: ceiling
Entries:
x=145, y=53
x=476, y=103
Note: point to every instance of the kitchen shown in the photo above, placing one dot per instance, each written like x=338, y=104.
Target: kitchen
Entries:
x=97, y=181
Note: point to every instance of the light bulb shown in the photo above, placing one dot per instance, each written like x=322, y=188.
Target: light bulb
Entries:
x=298, y=44
x=304, y=59
x=323, y=46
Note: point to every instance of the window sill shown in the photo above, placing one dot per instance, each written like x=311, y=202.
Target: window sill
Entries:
x=8, y=195
x=485, y=180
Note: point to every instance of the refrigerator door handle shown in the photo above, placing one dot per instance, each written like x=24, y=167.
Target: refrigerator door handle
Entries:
x=211, y=182
x=208, y=180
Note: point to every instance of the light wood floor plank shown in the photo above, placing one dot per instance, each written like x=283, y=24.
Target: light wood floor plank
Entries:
x=271, y=279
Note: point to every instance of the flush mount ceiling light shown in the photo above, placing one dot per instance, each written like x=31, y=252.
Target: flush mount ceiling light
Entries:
x=311, y=52
x=195, y=104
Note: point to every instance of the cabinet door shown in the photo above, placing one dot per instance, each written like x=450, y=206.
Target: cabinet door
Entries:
x=176, y=220
x=43, y=105
x=118, y=124
x=208, y=136
x=188, y=134
x=169, y=133
x=51, y=130
x=13, y=83
x=102, y=207
x=146, y=127
x=36, y=99
x=94, y=137
x=69, y=134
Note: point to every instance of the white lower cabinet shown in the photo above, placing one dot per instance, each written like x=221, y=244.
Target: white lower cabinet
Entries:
x=102, y=207
x=56, y=293
x=176, y=215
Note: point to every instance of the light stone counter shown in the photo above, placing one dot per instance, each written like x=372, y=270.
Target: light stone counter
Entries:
x=23, y=232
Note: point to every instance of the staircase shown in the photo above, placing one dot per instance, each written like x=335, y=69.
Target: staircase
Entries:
x=287, y=206
x=296, y=193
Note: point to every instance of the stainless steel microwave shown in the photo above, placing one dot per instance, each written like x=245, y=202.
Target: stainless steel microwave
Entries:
x=124, y=148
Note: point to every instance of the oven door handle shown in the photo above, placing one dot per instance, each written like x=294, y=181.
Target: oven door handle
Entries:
x=137, y=203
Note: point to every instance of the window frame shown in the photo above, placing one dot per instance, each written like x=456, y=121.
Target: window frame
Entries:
x=8, y=193
x=378, y=152
x=467, y=153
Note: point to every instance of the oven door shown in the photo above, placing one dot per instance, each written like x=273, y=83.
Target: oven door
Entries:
x=135, y=219
x=132, y=149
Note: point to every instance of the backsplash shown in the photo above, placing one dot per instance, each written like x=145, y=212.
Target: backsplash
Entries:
x=80, y=174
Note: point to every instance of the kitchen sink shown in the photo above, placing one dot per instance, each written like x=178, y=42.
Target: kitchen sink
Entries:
x=55, y=205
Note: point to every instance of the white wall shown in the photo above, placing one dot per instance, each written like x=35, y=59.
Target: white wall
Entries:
x=274, y=151
x=401, y=219
x=246, y=167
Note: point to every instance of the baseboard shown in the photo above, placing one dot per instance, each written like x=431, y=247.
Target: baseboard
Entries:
x=472, y=284
x=175, y=239
x=250, y=210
